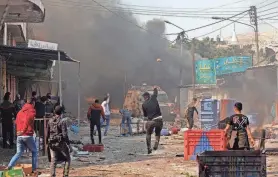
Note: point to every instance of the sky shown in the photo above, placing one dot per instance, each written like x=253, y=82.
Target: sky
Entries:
x=189, y=23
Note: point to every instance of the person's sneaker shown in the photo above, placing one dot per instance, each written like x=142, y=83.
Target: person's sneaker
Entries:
x=36, y=173
x=149, y=151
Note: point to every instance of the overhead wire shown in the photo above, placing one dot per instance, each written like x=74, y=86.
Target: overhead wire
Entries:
x=215, y=22
x=275, y=1
x=268, y=9
x=267, y=18
x=219, y=28
x=141, y=27
x=268, y=23
x=197, y=9
x=148, y=11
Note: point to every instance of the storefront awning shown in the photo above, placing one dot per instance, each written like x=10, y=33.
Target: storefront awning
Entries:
x=17, y=53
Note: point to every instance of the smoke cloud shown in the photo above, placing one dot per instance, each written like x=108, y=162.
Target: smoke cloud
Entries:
x=110, y=48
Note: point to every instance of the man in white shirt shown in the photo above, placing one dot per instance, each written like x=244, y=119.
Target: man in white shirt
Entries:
x=105, y=106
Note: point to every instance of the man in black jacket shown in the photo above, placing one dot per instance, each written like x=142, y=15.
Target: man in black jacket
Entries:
x=94, y=114
x=8, y=114
x=58, y=142
x=152, y=111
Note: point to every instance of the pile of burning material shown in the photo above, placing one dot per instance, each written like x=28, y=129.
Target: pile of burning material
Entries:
x=115, y=111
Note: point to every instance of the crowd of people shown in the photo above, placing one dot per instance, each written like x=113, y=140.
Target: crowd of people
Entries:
x=22, y=114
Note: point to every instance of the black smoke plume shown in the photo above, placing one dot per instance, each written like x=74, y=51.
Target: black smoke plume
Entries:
x=110, y=48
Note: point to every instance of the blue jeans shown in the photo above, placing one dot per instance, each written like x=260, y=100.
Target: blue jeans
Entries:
x=107, y=117
x=23, y=142
x=127, y=119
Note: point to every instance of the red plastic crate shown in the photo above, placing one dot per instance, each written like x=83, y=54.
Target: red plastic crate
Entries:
x=198, y=141
x=93, y=148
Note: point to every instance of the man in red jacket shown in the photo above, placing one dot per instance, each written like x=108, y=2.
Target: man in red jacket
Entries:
x=25, y=130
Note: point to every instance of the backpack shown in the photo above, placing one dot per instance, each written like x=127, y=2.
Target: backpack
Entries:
x=55, y=138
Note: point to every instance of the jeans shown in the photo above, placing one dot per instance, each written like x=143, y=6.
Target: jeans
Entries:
x=107, y=117
x=23, y=142
x=127, y=119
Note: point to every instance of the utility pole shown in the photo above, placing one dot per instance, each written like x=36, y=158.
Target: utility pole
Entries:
x=254, y=21
x=181, y=43
x=193, y=65
x=125, y=79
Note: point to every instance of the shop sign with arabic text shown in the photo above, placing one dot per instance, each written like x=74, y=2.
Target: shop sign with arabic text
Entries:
x=205, y=72
x=233, y=64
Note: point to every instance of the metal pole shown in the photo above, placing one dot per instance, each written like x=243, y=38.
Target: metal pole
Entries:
x=5, y=35
x=181, y=82
x=60, y=79
x=254, y=21
x=4, y=67
x=2, y=21
x=78, y=94
x=257, y=45
x=193, y=66
x=276, y=101
x=125, y=86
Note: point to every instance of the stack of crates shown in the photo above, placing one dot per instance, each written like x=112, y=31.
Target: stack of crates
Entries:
x=198, y=141
x=232, y=164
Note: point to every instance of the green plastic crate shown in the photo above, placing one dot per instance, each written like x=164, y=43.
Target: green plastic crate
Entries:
x=14, y=173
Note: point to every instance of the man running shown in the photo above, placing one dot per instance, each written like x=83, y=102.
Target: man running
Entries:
x=25, y=131
x=152, y=111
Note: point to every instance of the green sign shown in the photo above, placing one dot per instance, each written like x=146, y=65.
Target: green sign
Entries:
x=205, y=72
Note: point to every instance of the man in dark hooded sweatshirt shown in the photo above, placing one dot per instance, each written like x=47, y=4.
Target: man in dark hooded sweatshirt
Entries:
x=95, y=112
x=152, y=111
x=58, y=142
x=8, y=114
x=18, y=103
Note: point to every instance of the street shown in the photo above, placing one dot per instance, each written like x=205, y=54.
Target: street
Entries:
x=126, y=156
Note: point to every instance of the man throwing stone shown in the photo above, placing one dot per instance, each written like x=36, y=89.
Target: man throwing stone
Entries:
x=152, y=111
